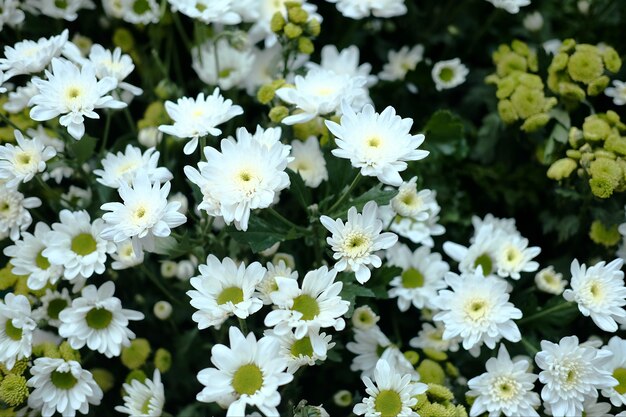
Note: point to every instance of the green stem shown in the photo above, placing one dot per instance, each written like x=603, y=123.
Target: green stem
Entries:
x=243, y=326
x=152, y=277
x=129, y=119
x=530, y=348
x=559, y=307
x=181, y=31
x=202, y=146
x=346, y=194
x=283, y=220
x=107, y=127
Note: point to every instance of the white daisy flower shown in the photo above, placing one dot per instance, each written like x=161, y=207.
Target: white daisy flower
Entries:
x=268, y=284
x=143, y=398
x=68, y=10
x=570, y=374
x=617, y=366
x=308, y=161
x=73, y=93
x=477, y=309
x=16, y=329
x=481, y=253
x=421, y=277
x=411, y=203
x=401, y=62
x=315, y=305
x=229, y=71
x=62, y=386
x=368, y=346
x=299, y=352
x=18, y=99
x=511, y=6
x=27, y=258
x=344, y=62
x=449, y=74
x=10, y=13
x=125, y=256
x=14, y=215
x=224, y=289
x=354, y=243
x=550, y=281
x=22, y=162
x=31, y=57
x=599, y=291
x=207, y=11
x=53, y=302
x=97, y=319
x=75, y=244
x=393, y=395
x=360, y=9
x=198, y=117
x=617, y=92
x=117, y=65
x=144, y=215
x=514, y=256
x=505, y=388
x=380, y=145
x=321, y=92
x=248, y=372
x=141, y=12
x=364, y=318
x=122, y=167
x=431, y=337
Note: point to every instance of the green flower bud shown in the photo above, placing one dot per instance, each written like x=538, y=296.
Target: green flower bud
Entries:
x=585, y=65
x=510, y=63
x=297, y=15
x=598, y=85
x=507, y=112
x=292, y=31
x=606, y=174
x=431, y=372
x=603, y=153
x=575, y=137
x=135, y=355
x=506, y=86
x=7, y=277
x=520, y=47
x=559, y=62
x=438, y=393
x=137, y=374
x=460, y=411
x=343, y=398
x=561, y=168
x=567, y=45
x=13, y=390
x=163, y=360
x=305, y=46
x=573, y=153
x=615, y=143
x=612, y=117
x=531, y=81
x=18, y=368
x=571, y=91
x=602, y=235
x=266, y=94
x=412, y=356
x=103, y=378
x=527, y=102
x=124, y=39
x=595, y=128
x=313, y=27
x=611, y=59
x=166, y=89
x=277, y=23
x=67, y=353
x=533, y=62
x=535, y=122
x=278, y=113
x=452, y=370
x=435, y=355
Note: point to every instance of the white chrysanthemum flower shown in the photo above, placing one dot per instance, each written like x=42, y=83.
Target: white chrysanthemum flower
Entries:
x=617, y=366
x=73, y=93
x=511, y=6
x=62, y=386
x=431, y=337
x=571, y=373
x=246, y=175
x=14, y=215
x=18, y=99
x=66, y=10
x=27, y=258
x=16, y=329
x=368, y=346
x=401, y=62
x=315, y=305
x=411, y=203
x=248, y=372
x=268, y=284
x=141, y=12
x=198, y=117
x=354, y=243
x=617, y=92
x=231, y=68
x=10, y=13
x=31, y=57
x=122, y=167
x=75, y=244
x=477, y=309
x=143, y=398
x=308, y=161
x=97, y=319
x=144, y=215
x=493, y=225
x=481, y=253
x=117, y=65
x=449, y=74
x=550, y=281
x=22, y=162
x=224, y=289
x=300, y=352
x=505, y=388
x=393, y=395
x=360, y=9
x=321, y=92
x=514, y=256
x=364, y=318
x=207, y=11
x=421, y=277
x=380, y=145
x=344, y=62
x=125, y=256
x=600, y=292
x=52, y=303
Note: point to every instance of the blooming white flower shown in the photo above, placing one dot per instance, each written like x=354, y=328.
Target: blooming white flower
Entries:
x=315, y=305
x=62, y=386
x=477, y=309
x=97, y=319
x=483, y=251
x=18, y=99
x=514, y=256
x=299, y=352
x=52, y=303
x=124, y=166
x=599, y=291
x=247, y=373
x=449, y=74
x=550, y=281
x=431, y=337
x=125, y=256
x=2, y=89
x=506, y=387
x=68, y=10
x=344, y=62
x=368, y=345
x=117, y=65
x=30, y=57
x=572, y=373
x=231, y=68
x=198, y=117
x=617, y=366
x=73, y=93
x=16, y=329
x=140, y=12
x=14, y=215
x=380, y=145
x=10, y=13
x=401, y=62
x=265, y=68
x=144, y=215
x=354, y=243
x=360, y=9
x=617, y=92
x=162, y=310
x=308, y=161
x=143, y=398
x=511, y=6
x=207, y=11
x=224, y=289
x=27, y=258
x=268, y=284
x=22, y=162
x=364, y=318
x=393, y=395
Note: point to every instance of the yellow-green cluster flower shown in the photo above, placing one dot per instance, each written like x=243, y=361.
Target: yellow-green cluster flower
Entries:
x=13, y=390
x=296, y=28
x=104, y=378
x=517, y=57
x=603, y=235
x=578, y=70
x=438, y=401
x=135, y=355
x=162, y=360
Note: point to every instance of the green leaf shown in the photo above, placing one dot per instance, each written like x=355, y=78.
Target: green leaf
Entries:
x=445, y=134
x=487, y=138
x=301, y=192
x=262, y=234
x=83, y=149
x=376, y=193
x=351, y=291
x=561, y=116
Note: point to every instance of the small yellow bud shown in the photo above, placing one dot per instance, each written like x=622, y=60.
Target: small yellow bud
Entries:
x=611, y=59
x=431, y=372
x=13, y=390
x=507, y=112
x=266, y=94
x=573, y=153
x=305, y=46
x=561, y=169
x=124, y=39
x=292, y=31
x=535, y=122
x=277, y=23
x=135, y=355
x=67, y=353
x=585, y=65
x=602, y=235
x=596, y=128
x=412, y=356
x=598, y=85
x=278, y=113
x=615, y=143
x=103, y=378
x=313, y=27
x=137, y=374
x=163, y=360
x=297, y=15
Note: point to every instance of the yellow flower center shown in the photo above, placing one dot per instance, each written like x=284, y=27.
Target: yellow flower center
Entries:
x=388, y=403
x=230, y=294
x=412, y=278
x=248, y=379
x=306, y=305
x=84, y=244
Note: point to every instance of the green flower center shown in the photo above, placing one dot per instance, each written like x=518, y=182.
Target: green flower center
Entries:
x=60, y=4
x=248, y=379
x=145, y=408
x=485, y=262
x=141, y=6
x=41, y=261
x=620, y=375
x=55, y=307
x=302, y=347
x=23, y=158
x=446, y=74
x=230, y=294
x=225, y=72
x=63, y=380
x=84, y=244
x=306, y=305
x=13, y=332
x=99, y=318
x=388, y=403
x=412, y=278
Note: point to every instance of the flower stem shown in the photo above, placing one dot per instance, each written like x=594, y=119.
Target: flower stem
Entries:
x=283, y=220
x=243, y=326
x=158, y=284
x=530, y=348
x=559, y=307
x=346, y=194
x=107, y=127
